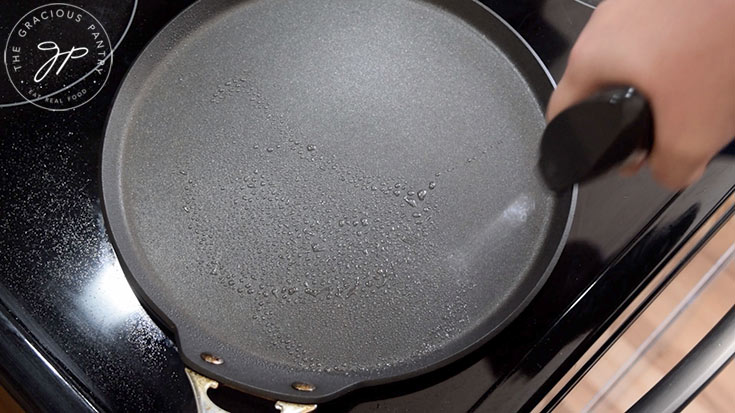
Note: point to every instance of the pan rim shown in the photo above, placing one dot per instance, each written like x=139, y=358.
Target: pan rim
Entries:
x=114, y=216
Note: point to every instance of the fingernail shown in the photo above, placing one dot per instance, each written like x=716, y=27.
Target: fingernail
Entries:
x=633, y=163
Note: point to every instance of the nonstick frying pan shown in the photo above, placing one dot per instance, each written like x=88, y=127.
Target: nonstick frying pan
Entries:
x=321, y=195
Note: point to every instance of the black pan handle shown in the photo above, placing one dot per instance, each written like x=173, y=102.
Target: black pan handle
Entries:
x=595, y=135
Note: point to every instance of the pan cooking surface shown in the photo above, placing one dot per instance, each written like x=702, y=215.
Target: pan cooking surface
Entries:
x=338, y=189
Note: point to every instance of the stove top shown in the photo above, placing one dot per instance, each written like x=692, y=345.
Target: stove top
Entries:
x=73, y=337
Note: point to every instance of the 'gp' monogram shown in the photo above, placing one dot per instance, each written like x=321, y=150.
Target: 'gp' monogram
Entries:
x=74, y=53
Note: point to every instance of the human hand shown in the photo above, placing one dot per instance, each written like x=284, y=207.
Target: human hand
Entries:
x=680, y=54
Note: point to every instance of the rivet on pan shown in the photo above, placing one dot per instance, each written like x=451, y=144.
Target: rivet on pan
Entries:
x=306, y=387
x=211, y=359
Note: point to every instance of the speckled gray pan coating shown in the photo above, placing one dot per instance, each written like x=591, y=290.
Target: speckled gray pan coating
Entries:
x=333, y=192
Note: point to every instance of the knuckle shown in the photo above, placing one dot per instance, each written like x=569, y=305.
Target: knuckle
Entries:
x=668, y=178
x=675, y=164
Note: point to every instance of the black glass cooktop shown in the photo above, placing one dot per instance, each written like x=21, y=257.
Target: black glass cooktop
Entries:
x=72, y=334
